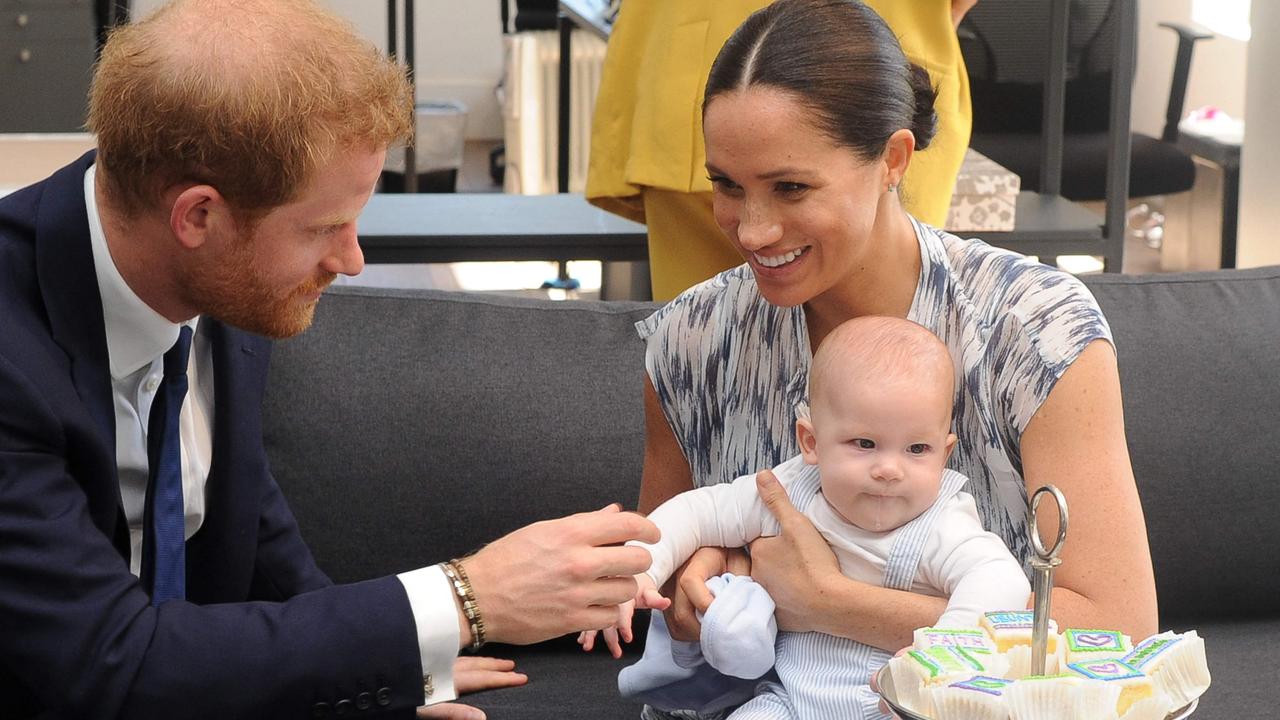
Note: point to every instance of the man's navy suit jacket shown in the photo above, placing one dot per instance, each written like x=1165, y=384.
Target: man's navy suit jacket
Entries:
x=264, y=633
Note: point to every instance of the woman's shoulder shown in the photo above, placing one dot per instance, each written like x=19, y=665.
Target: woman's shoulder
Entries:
x=705, y=306
x=1002, y=282
x=1019, y=301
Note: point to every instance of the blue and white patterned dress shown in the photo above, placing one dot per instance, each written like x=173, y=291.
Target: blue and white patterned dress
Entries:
x=731, y=370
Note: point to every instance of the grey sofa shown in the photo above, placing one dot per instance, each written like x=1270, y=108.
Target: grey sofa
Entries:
x=407, y=427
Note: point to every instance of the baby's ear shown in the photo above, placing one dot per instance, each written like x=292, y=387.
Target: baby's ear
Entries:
x=951, y=445
x=807, y=440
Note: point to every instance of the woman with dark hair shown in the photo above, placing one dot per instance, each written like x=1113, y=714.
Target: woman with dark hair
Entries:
x=647, y=154
x=811, y=116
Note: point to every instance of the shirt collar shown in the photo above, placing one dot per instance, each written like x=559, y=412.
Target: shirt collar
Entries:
x=136, y=334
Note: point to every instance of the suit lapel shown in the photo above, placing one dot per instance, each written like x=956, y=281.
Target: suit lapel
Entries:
x=69, y=289
x=220, y=556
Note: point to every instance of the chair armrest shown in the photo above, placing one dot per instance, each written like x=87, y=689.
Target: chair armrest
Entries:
x=1187, y=37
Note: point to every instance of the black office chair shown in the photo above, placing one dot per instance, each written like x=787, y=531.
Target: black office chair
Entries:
x=1006, y=65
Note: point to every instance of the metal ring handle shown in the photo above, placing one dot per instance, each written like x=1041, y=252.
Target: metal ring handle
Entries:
x=1034, y=526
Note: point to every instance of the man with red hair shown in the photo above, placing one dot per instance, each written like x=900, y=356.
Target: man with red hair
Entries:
x=149, y=565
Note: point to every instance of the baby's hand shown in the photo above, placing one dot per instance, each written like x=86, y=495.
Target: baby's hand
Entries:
x=622, y=629
x=647, y=596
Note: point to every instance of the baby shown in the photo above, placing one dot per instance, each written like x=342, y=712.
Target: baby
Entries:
x=871, y=477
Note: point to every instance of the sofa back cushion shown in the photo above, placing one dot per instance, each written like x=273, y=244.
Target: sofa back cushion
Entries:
x=1199, y=357
x=407, y=427
x=410, y=426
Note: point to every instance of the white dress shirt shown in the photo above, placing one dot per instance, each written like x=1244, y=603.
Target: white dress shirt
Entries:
x=137, y=339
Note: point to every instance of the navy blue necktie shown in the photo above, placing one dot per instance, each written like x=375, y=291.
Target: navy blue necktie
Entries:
x=164, y=561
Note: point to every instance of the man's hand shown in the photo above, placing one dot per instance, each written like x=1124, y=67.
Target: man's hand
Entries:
x=559, y=576
x=688, y=588
x=792, y=565
x=450, y=711
x=473, y=674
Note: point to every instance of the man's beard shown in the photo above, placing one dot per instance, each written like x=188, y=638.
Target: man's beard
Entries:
x=235, y=292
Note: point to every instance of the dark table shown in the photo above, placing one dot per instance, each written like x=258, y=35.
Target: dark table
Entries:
x=1225, y=155
x=429, y=228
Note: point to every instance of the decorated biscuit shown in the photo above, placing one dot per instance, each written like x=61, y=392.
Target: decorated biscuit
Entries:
x=1176, y=663
x=1061, y=697
x=1133, y=683
x=980, y=697
x=1089, y=645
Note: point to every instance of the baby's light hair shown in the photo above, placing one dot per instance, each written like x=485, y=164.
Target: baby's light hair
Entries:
x=883, y=348
x=248, y=96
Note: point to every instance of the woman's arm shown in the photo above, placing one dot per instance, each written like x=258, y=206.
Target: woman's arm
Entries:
x=802, y=576
x=666, y=473
x=1076, y=441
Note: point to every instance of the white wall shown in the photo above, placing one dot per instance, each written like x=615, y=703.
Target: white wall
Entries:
x=1217, y=67
x=1260, y=162
x=458, y=51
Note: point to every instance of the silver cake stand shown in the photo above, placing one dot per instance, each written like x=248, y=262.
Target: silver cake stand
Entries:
x=1043, y=562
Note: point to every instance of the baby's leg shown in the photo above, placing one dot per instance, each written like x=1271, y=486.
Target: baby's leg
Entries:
x=771, y=703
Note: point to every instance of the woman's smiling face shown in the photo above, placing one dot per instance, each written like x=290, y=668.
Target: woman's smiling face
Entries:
x=797, y=206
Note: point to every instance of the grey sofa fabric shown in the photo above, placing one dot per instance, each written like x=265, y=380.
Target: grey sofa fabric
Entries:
x=407, y=427
x=411, y=426
x=1199, y=358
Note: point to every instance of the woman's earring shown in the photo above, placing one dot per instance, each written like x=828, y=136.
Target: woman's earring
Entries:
x=893, y=187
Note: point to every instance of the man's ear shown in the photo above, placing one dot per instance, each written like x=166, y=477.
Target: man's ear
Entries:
x=897, y=155
x=194, y=211
x=807, y=440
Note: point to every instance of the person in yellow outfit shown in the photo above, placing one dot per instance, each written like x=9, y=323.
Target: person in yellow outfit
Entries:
x=647, y=157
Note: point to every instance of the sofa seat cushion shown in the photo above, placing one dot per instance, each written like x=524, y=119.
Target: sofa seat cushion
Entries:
x=1242, y=655
x=564, y=683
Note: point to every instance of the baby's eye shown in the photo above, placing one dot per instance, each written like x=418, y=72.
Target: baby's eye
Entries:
x=864, y=443
x=918, y=448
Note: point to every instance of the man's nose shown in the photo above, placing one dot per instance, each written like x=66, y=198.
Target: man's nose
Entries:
x=346, y=257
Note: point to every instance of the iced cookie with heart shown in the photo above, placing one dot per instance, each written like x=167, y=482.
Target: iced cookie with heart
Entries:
x=1090, y=645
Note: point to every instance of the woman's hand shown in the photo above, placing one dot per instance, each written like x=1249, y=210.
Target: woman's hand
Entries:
x=959, y=8
x=795, y=565
x=473, y=674
x=875, y=687
x=688, y=591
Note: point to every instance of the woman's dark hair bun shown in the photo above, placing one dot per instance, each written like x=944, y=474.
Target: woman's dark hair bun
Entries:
x=924, y=123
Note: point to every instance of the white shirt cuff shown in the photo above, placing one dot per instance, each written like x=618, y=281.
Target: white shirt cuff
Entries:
x=436, y=614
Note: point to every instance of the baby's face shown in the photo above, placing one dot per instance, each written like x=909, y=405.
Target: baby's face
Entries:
x=881, y=449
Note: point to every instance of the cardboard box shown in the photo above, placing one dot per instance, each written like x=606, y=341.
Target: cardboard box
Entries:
x=985, y=197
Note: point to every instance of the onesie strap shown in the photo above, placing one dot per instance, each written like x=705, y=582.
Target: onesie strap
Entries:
x=904, y=558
